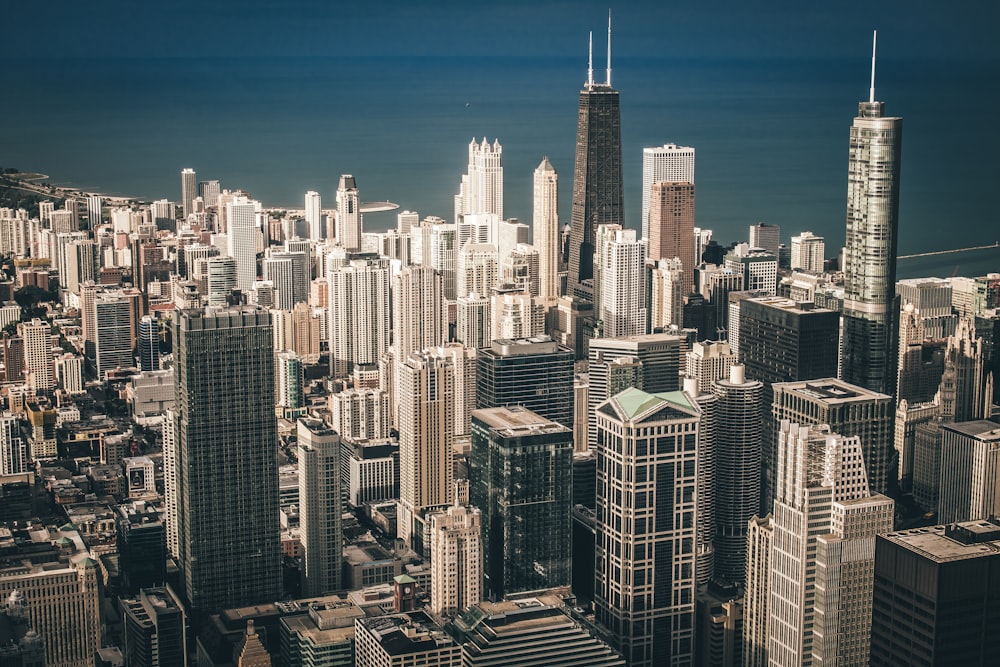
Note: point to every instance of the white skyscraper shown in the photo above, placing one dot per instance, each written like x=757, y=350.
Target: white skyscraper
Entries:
x=671, y=163
x=420, y=315
x=765, y=236
x=477, y=269
x=361, y=414
x=319, y=506
x=516, y=315
x=481, y=189
x=667, y=289
x=545, y=228
x=520, y=268
x=807, y=252
x=171, y=490
x=289, y=384
x=623, y=292
x=359, y=314
x=243, y=233
x=290, y=273
x=456, y=554
x=314, y=216
x=37, y=335
x=189, y=190
x=441, y=254
x=348, y=214
x=473, y=322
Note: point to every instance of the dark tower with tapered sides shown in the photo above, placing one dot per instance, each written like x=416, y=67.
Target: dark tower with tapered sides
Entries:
x=597, y=177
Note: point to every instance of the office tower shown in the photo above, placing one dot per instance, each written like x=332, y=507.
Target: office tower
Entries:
x=243, y=233
x=908, y=417
x=659, y=355
x=515, y=314
x=671, y=164
x=456, y=555
x=473, y=322
x=623, y=286
x=359, y=314
x=464, y=360
x=188, y=261
x=597, y=175
x=189, y=190
x=739, y=434
x=932, y=299
x=171, y=488
x=348, y=214
x=935, y=596
x=226, y=430
x=149, y=344
x=667, y=287
x=970, y=472
x=361, y=414
x=671, y=223
x=209, y=192
x=509, y=233
x=155, y=629
x=966, y=391
x=13, y=448
x=163, y=213
x=114, y=329
x=821, y=562
x=782, y=340
x=521, y=479
x=707, y=362
x=719, y=626
x=63, y=604
x=289, y=398
x=535, y=373
x=757, y=591
x=921, y=359
x=290, y=273
x=37, y=336
x=477, y=269
x=441, y=251
x=372, y=470
x=646, y=506
x=481, y=189
x=602, y=236
x=319, y=506
x=221, y=279
x=140, y=538
x=759, y=268
x=94, y=211
x=420, y=314
x=766, y=237
x=808, y=253
x=426, y=383
x=708, y=426
x=530, y=630
x=545, y=228
x=406, y=220
x=849, y=411
x=403, y=639
x=870, y=308
x=314, y=216
x=715, y=283
x=520, y=268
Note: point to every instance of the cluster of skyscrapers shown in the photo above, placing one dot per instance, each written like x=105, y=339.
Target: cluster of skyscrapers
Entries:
x=481, y=442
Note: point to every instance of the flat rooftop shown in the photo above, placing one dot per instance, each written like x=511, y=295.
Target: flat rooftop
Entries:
x=953, y=542
x=515, y=420
x=830, y=390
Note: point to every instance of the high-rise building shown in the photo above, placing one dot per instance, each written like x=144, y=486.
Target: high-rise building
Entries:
x=766, y=237
x=359, y=314
x=114, y=329
x=521, y=476
x=667, y=287
x=520, y=268
x=13, y=448
x=870, y=307
x=319, y=506
x=94, y=211
x=808, y=252
x=970, y=472
x=671, y=164
x=671, y=223
x=420, y=314
x=243, y=235
x=456, y=555
x=783, y=340
x=597, y=175
x=289, y=385
x=536, y=373
x=403, y=639
x=442, y=247
x=515, y=314
x=37, y=336
x=230, y=551
x=314, y=216
x=149, y=344
x=361, y=414
x=849, y=411
x=966, y=391
x=647, y=458
x=477, y=269
x=426, y=437
x=822, y=557
x=155, y=630
x=140, y=538
x=935, y=596
x=708, y=425
x=738, y=439
x=623, y=285
x=545, y=228
x=481, y=189
x=708, y=361
x=290, y=273
x=757, y=591
x=220, y=279
x=209, y=192
x=348, y=214
x=189, y=190
x=759, y=268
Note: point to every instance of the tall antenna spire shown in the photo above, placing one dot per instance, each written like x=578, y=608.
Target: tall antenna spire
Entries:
x=590, y=61
x=609, y=48
x=871, y=90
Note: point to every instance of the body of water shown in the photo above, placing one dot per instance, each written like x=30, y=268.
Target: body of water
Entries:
x=771, y=137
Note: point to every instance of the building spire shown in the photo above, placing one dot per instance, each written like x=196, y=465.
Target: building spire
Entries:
x=590, y=62
x=871, y=90
x=609, y=48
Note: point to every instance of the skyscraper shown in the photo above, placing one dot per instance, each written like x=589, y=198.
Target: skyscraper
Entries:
x=242, y=238
x=149, y=344
x=359, y=314
x=545, y=228
x=13, y=448
x=154, y=629
x=871, y=312
x=37, y=335
x=597, y=175
x=230, y=551
x=290, y=273
x=536, y=373
x=807, y=252
x=671, y=224
x=622, y=285
x=420, y=314
x=189, y=190
x=521, y=477
x=348, y=214
x=314, y=215
x=766, y=237
x=668, y=163
x=319, y=506
x=646, y=506
x=481, y=189
x=456, y=555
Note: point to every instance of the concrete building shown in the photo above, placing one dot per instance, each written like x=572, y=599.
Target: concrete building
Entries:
x=766, y=237
x=403, y=639
x=361, y=414
x=708, y=361
x=545, y=228
x=189, y=190
x=970, y=472
x=348, y=214
x=456, y=555
x=359, y=314
x=669, y=164
x=13, y=448
x=319, y=506
x=322, y=636
x=808, y=251
x=622, y=303
x=243, y=236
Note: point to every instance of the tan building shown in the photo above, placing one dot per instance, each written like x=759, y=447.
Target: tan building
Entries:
x=456, y=551
x=411, y=638
x=671, y=223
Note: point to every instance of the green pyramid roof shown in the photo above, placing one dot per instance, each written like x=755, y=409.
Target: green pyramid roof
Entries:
x=635, y=402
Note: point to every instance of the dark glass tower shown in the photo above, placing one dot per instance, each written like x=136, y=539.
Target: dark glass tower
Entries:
x=597, y=176
x=871, y=308
x=149, y=344
x=230, y=548
x=536, y=373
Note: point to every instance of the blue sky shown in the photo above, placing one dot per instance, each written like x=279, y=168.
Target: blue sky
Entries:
x=914, y=29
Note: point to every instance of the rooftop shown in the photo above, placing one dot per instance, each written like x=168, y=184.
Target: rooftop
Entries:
x=516, y=421
x=830, y=390
x=953, y=542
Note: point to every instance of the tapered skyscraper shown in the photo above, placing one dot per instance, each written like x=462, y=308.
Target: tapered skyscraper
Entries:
x=545, y=228
x=871, y=312
x=597, y=177
x=348, y=214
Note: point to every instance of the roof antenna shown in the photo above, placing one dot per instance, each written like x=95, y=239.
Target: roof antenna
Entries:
x=590, y=62
x=609, y=47
x=871, y=91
